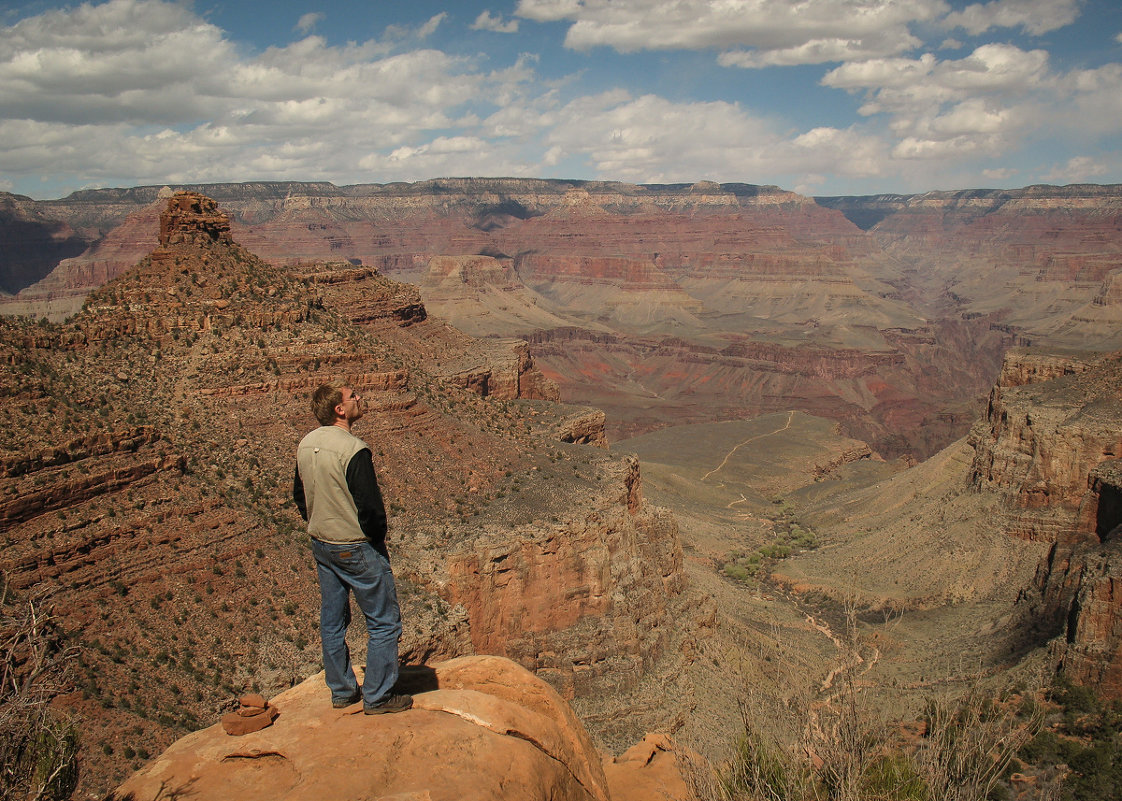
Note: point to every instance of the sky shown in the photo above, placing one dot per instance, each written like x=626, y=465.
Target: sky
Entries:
x=821, y=97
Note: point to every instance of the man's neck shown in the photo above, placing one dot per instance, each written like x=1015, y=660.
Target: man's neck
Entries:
x=343, y=423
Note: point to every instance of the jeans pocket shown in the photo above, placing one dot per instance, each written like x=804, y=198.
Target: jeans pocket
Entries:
x=351, y=560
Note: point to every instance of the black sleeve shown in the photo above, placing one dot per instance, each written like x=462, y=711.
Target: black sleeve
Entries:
x=298, y=495
x=363, y=485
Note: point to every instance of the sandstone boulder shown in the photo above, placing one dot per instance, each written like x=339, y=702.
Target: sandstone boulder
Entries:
x=481, y=728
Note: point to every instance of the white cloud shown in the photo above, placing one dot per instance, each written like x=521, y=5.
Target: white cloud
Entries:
x=145, y=91
x=1091, y=101
x=122, y=61
x=652, y=140
x=485, y=22
x=429, y=28
x=881, y=73
x=136, y=91
x=309, y=21
x=999, y=174
x=1077, y=170
x=775, y=32
x=1035, y=17
x=979, y=104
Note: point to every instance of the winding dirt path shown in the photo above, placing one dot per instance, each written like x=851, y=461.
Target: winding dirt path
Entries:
x=739, y=445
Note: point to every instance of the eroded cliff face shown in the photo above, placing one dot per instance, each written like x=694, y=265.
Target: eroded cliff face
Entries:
x=1051, y=419
x=146, y=468
x=620, y=564
x=1050, y=448
x=32, y=241
x=1046, y=257
x=1077, y=597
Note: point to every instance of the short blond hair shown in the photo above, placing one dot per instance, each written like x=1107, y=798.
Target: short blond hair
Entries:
x=325, y=399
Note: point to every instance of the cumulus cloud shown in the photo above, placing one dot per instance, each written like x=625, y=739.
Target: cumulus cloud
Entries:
x=135, y=90
x=309, y=21
x=1091, y=103
x=123, y=61
x=974, y=105
x=1035, y=17
x=649, y=139
x=485, y=22
x=147, y=91
x=755, y=33
x=1077, y=170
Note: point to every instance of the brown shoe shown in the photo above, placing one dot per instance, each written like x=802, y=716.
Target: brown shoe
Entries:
x=395, y=703
x=343, y=703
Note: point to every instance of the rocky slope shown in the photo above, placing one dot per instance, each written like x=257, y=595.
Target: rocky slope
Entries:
x=146, y=463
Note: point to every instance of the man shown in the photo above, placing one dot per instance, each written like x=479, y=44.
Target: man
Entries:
x=337, y=493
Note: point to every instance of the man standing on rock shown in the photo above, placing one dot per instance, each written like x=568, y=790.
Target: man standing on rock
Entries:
x=337, y=493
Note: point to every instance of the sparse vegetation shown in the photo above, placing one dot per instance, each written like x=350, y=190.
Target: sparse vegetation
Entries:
x=840, y=745
x=790, y=537
x=38, y=746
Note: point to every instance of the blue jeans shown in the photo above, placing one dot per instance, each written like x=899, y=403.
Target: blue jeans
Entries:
x=360, y=569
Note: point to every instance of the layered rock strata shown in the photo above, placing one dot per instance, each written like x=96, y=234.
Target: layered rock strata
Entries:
x=1049, y=449
x=707, y=265
x=1051, y=419
x=1045, y=257
x=1077, y=594
x=613, y=565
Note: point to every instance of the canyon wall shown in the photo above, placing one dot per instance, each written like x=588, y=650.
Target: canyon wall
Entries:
x=1051, y=419
x=153, y=508
x=1050, y=447
x=1045, y=258
x=658, y=276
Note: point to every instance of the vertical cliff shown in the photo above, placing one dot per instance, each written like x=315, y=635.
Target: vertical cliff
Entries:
x=1050, y=420
x=1050, y=447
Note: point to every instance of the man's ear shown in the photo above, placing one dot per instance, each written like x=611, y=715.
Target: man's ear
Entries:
x=340, y=410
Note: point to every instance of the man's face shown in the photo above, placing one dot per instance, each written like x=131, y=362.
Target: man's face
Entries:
x=351, y=406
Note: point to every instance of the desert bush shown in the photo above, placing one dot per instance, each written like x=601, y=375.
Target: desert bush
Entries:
x=839, y=745
x=38, y=748
x=1083, y=748
x=970, y=743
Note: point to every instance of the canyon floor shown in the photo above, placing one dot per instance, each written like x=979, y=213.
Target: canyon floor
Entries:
x=907, y=554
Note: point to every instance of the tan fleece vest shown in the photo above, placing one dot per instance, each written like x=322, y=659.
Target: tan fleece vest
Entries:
x=322, y=458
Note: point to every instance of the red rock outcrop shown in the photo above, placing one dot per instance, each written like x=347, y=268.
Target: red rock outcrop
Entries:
x=1078, y=592
x=1050, y=421
x=480, y=727
x=614, y=566
x=1050, y=447
x=190, y=218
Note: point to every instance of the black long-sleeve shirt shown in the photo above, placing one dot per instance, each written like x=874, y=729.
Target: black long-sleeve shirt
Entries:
x=363, y=485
